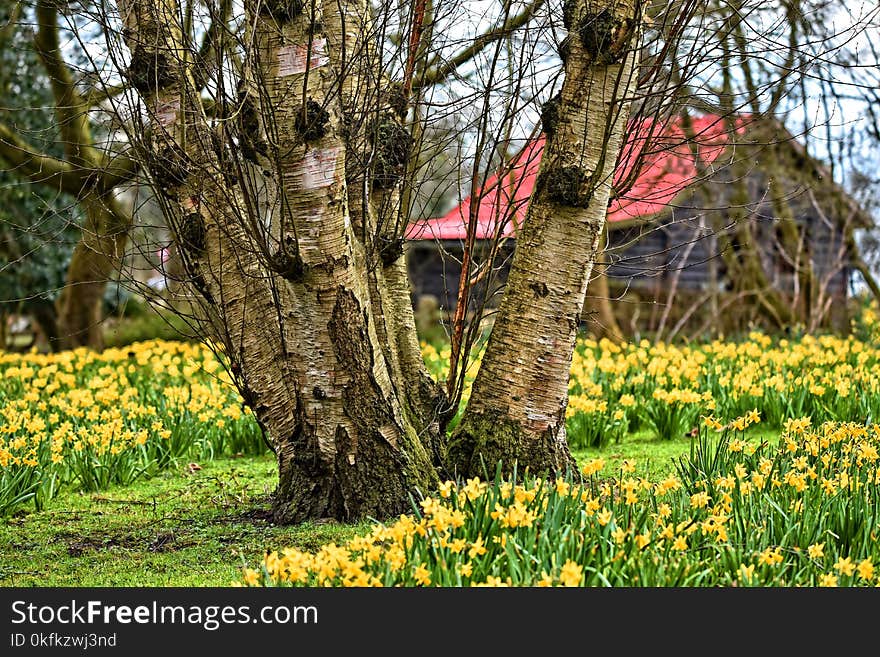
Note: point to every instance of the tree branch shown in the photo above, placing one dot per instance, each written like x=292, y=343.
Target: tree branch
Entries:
x=59, y=174
x=441, y=72
x=8, y=28
x=70, y=108
x=95, y=95
x=210, y=43
x=39, y=167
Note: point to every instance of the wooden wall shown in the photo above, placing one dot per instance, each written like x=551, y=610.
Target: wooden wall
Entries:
x=645, y=260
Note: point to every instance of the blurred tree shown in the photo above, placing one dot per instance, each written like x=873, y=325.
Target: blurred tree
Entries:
x=38, y=226
x=50, y=142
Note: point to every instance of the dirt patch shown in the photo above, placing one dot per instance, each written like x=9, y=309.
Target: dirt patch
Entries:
x=168, y=541
x=23, y=547
x=79, y=546
x=259, y=512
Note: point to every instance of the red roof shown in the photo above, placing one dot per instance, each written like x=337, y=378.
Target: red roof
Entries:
x=666, y=168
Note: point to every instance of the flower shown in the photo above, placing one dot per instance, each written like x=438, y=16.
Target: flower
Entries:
x=251, y=577
x=545, y=580
x=770, y=557
x=845, y=566
x=446, y=488
x=865, y=569
x=592, y=467
x=700, y=500
x=816, y=551
x=422, y=575
x=571, y=574
x=828, y=580
x=477, y=548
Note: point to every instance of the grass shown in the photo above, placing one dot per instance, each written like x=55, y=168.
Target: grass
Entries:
x=181, y=528
x=652, y=457
x=145, y=325
x=198, y=527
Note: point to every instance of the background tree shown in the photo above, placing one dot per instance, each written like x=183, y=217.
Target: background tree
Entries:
x=86, y=170
x=37, y=226
x=788, y=76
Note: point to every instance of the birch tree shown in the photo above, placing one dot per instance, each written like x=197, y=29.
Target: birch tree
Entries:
x=285, y=201
x=516, y=412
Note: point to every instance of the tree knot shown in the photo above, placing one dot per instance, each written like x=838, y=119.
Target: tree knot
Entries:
x=148, y=71
x=311, y=121
x=570, y=186
x=393, y=144
x=604, y=36
x=282, y=11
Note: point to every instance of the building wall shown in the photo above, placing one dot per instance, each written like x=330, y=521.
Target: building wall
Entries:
x=435, y=269
x=646, y=259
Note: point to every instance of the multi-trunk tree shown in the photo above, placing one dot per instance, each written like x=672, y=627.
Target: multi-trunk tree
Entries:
x=284, y=198
x=282, y=154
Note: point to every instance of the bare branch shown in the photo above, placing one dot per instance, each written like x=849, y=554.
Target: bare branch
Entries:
x=71, y=110
x=7, y=29
x=441, y=72
x=39, y=167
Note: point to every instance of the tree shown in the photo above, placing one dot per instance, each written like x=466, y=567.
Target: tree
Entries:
x=516, y=412
x=284, y=196
x=782, y=70
x=86, y=172
x=37, y=227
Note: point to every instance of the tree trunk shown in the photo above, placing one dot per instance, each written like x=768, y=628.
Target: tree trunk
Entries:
x=598, y=312
x=80, y=306
x=289, y=298
x=378, y=146
x=516, y=412
x=745, y=270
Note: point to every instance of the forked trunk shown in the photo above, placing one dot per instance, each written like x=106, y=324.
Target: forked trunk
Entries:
x=516, y=412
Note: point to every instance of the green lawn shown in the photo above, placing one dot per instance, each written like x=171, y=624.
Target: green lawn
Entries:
x=180, y=528
x=653, y=457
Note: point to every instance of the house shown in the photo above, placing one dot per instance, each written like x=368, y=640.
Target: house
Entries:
x=697, y=199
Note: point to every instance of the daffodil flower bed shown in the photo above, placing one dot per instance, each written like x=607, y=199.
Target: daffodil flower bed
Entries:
x=615, y=388
x=802, y=512
x=91, y=420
